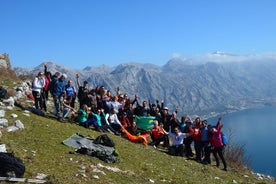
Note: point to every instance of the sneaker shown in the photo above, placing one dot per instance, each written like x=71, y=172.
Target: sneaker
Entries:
x=154, y=146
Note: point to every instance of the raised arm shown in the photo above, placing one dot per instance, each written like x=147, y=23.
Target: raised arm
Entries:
x=78, y=82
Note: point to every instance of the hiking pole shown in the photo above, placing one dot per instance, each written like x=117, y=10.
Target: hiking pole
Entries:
x=25, y=180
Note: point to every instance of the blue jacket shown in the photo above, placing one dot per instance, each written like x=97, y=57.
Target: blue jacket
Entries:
x=59, y=89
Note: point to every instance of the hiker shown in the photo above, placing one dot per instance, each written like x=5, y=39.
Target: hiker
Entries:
x=92, y=100
x=205, y=144
x=197, y=138
x=124, y=120
x=129, y=110
x=113, y=120
x=216, y=143
x=98, y=120
x=100, y=123
x=37, y=90
x=135, y=130
x=174, y=122
x=114, y=104
x=177, y=147
x=54, y=81
x=105, y=125
x=71, y=92
x=82, y=92
x=140, y=110
x=84, y=118
x=58, y=96
x=48, y=76
x=67, y=108
x=189, y=137
x=158, y=135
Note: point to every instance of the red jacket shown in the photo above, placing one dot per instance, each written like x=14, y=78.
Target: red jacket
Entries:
x=215, y=138
x=157, y=132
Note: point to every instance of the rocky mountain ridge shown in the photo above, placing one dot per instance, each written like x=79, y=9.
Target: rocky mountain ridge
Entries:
x=204, y=89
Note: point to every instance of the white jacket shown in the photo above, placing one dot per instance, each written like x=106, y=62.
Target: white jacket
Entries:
x=38, y=84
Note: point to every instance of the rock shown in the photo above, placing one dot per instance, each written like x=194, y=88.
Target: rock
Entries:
x=9, y=101
x=19, y=124
x=14, y=115
x=40, y=176
x=2, y=113
x=4, y=122
x=3, y=147
x=12, y=129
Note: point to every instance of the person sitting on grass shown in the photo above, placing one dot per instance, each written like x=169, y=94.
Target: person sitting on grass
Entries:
x=67, y=108
x=84, y=118
x=112, y=119
x=100, y=124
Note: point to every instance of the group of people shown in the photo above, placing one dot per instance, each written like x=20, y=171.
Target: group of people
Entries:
x=99, y=108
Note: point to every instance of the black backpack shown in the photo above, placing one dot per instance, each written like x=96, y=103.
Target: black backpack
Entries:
x=104, y=140
x=3, y=92
x=9, y=165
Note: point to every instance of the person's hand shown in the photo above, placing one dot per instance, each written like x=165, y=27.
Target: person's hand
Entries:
x=77, y=76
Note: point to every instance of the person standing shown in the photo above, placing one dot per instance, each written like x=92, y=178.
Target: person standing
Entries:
x=48, y=76
x=58, y=96
x=216, y=143
x=37, y=90
x=71, y=92
x=83, y=92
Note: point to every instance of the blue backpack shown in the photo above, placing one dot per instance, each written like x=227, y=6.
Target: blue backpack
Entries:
x=224, y=139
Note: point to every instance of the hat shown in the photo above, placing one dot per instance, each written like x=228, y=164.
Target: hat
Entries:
x=165, y=108
x=64, y=75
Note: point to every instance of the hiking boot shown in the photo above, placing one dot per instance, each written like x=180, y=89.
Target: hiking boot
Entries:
x=224, y=169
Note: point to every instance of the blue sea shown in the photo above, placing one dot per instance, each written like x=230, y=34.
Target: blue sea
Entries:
x=256, y=129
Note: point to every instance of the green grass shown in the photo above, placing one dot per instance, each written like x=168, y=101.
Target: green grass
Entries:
x=39, y=146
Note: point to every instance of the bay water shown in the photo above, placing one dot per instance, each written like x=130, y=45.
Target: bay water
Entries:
x=256, y=129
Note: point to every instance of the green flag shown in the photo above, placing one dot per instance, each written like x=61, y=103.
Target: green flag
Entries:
x=144, y=122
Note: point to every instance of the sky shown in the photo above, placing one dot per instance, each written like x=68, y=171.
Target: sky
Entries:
x=80, y=33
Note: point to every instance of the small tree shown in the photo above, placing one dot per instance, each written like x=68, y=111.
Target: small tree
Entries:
x=234, y=152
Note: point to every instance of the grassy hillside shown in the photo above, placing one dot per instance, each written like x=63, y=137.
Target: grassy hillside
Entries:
x=39, y=146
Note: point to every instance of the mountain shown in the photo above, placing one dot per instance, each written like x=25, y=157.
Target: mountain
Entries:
x=205, y=89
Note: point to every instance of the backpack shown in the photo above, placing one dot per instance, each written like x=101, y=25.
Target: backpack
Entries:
x=3, y=92
x=224, y=139
x=104, y=140
x=11, y=165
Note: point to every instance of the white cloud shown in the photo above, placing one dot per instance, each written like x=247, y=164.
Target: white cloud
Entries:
x=220, y=57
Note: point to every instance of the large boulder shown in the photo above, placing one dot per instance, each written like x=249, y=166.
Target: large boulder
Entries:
x=5, y=61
